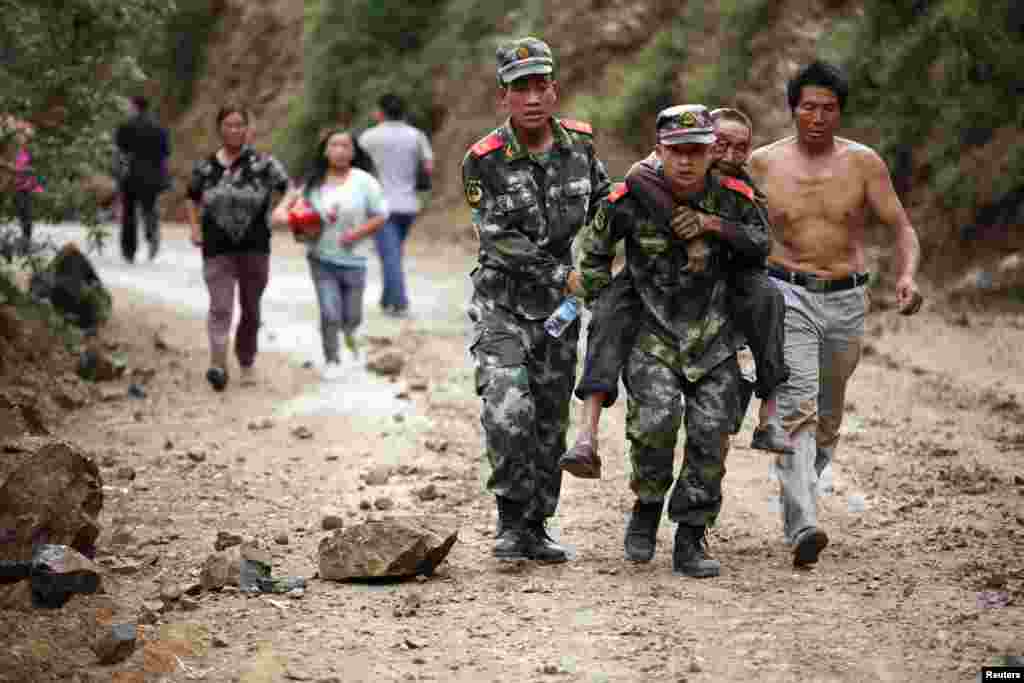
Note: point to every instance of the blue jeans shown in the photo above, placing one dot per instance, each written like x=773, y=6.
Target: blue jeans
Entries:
x=339, y=291
x=390, y=239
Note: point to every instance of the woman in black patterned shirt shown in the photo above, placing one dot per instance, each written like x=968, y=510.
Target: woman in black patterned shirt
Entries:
x=230, y=195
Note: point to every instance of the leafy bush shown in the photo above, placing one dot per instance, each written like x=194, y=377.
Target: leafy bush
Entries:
x=178, y=55
x=941, y=72
x=364, y=48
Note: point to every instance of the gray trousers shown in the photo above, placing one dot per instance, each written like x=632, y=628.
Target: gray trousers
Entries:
x=339, y=291
x=823, y=339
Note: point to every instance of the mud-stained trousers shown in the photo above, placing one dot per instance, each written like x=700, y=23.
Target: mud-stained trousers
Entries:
x=654, y=414
x=525, y=378
x=824, y=332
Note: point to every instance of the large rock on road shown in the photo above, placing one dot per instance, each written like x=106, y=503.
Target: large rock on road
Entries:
x=52, y=495
x=384, y=549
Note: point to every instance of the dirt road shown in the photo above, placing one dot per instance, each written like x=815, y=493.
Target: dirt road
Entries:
x=926, y=522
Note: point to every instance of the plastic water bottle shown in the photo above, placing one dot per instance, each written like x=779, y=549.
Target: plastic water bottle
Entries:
x=563, y=316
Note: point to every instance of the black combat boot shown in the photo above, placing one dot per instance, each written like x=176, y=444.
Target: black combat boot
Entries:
x=689, y=558
x=642, y=531
x=514, y=541
x=543, y=547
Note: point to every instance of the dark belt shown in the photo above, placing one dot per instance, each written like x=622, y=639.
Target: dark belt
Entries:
x=813, y=283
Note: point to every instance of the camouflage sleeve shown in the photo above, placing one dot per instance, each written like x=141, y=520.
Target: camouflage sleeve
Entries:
x=501, y=244
x=748, y=236
x=600, y=184
x=597, y=250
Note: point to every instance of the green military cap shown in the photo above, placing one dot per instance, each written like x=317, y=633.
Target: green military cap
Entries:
x=685, y=123
x=523, y=57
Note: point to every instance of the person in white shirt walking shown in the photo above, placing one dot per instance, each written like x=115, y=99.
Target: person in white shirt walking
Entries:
x=399, y=152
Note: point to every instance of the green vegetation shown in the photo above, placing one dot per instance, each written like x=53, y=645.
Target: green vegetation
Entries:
x=650, y=83
x=178, y=55
x=65, y=67
x=647, y=87
x=364, y=48
x=940, y=74
x=739, y=21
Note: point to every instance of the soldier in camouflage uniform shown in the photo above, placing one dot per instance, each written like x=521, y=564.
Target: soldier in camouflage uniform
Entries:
x=757, y=308
x=686, y=344
x=532, y=185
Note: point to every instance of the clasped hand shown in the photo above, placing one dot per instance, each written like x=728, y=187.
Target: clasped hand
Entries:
x=688, y=223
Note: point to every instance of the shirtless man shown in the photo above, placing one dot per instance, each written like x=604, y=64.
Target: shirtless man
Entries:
x=821, y=189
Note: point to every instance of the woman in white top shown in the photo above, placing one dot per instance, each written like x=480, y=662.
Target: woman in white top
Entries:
x=351, y=205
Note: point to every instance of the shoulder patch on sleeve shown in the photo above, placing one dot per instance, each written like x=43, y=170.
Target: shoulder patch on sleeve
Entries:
x=739, y=186
x=619, y=191
x=487, y=145
x=577, y=126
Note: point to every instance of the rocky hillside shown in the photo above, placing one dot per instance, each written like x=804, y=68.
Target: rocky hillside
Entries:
x=256, y=55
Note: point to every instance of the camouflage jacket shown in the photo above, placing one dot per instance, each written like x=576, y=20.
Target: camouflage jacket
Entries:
x=686, y=320
x=527, y=209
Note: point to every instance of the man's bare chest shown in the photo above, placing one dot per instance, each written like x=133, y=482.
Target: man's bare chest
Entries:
x=834, y=194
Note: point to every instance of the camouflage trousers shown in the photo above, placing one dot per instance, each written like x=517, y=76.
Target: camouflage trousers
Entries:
x=653, y=416
x=525, y=378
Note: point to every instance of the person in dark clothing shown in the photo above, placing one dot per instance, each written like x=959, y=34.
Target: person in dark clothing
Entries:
x=145, y=147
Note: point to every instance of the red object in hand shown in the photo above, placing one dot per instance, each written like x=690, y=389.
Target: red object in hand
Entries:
x=305, y=222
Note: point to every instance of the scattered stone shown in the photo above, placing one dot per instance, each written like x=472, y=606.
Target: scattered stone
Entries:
x=281, y=539
x=388, y=362
x=331, y=458
x=226, y=539
x=16, y=596
x=378, y=476
x=53, y=495
x=961, y=319
x=188, y=604
x=384, y=503
x=126, y=568
x=159, y=343
x=408, y=470
x=219, y=642
x=122, y=536
x=126, y=473
x=302, y=432
x=307, y=365
x=143, y=375
x=136, y=391
x=331, y=522
x=108, y=461
x=418, y=384
x=196, y=455
x=168, y=445
x=111, y=394
x=1018, y=480
x=428, y=492
x=436, y=445
x=258, y=425
x=171, y=592
x=364, y=504
x=115, y=644
x=387, y=548
x=97, y=365
x=221, y=569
